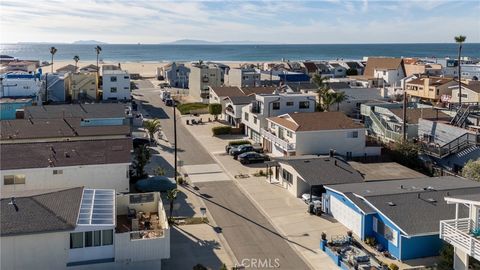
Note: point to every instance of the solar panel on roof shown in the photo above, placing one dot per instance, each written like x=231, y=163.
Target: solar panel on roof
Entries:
x=97, y=207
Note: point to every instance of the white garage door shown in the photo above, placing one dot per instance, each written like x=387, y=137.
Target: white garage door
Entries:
x=345, y=215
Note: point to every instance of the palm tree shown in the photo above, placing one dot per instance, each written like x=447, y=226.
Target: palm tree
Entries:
x=460, y=40
x=322, y=85
x=98, y=49
x=53, y=51
x=76, y=58
x=339, y=98
x=328, y=99
x=171, y=196
x=152, y=126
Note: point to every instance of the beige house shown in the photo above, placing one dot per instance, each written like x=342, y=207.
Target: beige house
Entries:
x=201, y=77
x=430, y=88
x=81, y=86
x=414, y=66
x=470, y=92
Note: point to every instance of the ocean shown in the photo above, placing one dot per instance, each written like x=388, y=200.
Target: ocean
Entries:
x=162, y=53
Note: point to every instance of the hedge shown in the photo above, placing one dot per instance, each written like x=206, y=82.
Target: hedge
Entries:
x=185, y=108
x=223, y=130
x=239, y=142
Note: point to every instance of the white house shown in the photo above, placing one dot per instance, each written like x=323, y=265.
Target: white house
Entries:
x=463, y=232
x=316, y=133
x=266, y=105
x=383, y=71
x=19, y=85
x=93, y=164
x=79, y=228
x=116, y=85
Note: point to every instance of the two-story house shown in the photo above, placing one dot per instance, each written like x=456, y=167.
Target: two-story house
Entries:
x=383, y=72
x=176, y=75
x=254, y=115
x=430, y=88
x=316, y=133
x=82, y=228
x=116, y=85
x=19, y=84
x=203, y=76
x=81, y=86
x=242, y=77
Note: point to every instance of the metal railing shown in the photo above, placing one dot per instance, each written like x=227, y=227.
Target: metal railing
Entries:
x=456, y=145
x=457, y=233
x=277, y=141
x=388, y=134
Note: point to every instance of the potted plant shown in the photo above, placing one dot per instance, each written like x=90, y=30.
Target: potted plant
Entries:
x=349, y=233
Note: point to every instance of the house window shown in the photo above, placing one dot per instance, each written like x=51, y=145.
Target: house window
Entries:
x=107, y=237
x=88, y=239
x=55, y=172
x=355, y=134
x=276, y=105
x=246, y=116
x=463, y=95
x=113, y=79
x=126, y=77
x=385, y=231
x=97, y=238
x=289, y=134
x=287, y=176
x=289, y=103
x=76, y=240
x=255, y=120
x=14, y=179
x=113, y=89
x=303, y=105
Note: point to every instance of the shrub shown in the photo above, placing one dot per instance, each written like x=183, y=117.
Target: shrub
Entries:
x=392, y=266
x=185, y=108
x=215, y=109
x=180, y=180
x=239, y=142
x=472, y=170
x=222, y=130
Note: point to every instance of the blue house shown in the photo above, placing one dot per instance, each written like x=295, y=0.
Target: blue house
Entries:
x=401, y=215
x=9, y=107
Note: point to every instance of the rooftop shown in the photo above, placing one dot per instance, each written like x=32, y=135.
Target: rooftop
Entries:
x=413, y=114
x=242, y=100
x=86, y=111
x=380, y=63
x=60, y=154
x=384, y=171
x=315, y=121
x=227, y=91
x=432, y=81
x=41, y=212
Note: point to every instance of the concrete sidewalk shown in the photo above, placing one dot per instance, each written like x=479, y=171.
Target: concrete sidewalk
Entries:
x=286, y=213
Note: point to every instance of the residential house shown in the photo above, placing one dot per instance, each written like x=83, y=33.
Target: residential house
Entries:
x=176, y=75
x=19, y=84
x=24, y=66
x=89, y=68
x=266, y=105
x=402, y=216
x=315, y=133
x=324, y=69
x=471, y=71
x=202, y=77
x=276, y=77
x=233, y=108
x=355, y=97
x=116, y=85
x=353, y=67
x=55, y=87
x=383, y=72
x=415, y=66
x=104, y=68
x=9, y=107
x=94, y=164
x=242, y=77
x=385, y=120
x=83, y=229
x=338, y=70
x=311, y=68
x=470, y=92
x=5, y=59
x=430, y=88
x=463, y=231
x=81, y=86
x=67, y=69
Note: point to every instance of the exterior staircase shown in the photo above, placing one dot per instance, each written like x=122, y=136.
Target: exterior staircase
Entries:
x=461, y=117
x=461, y=146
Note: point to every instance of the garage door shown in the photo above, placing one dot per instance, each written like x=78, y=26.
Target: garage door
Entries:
x=345, y=215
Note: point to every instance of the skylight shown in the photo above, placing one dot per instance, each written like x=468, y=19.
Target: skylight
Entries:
x=97, y=207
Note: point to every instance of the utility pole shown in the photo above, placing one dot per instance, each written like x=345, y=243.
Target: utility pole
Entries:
x=46, y=87
x=404, y=128
x=175, y=135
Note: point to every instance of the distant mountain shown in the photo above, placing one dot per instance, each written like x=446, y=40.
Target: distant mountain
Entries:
x=204, y=42
x=88, y=42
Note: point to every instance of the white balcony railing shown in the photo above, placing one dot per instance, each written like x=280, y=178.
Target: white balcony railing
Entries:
x=277, y=141
x=458, y=233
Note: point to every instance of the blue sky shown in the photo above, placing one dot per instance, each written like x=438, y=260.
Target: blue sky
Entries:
x=331, y=21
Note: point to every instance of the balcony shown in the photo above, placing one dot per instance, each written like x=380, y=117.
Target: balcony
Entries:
x=254, y=109
x=458, y=233
x=277, y=141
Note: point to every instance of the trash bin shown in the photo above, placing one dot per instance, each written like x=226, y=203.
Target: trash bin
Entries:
x=188, y=122
x=310, y=207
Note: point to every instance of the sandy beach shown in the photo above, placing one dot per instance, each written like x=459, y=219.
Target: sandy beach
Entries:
x=146, y=69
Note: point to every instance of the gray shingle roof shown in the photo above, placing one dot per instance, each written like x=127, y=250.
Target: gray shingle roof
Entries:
x=323, y=170
x=103, y=110
x=59, y=154
x=242, y=100
x=338, y=85
x=41, y=213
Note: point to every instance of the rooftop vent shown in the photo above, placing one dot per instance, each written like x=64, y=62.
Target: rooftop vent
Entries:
x=306, y=161
x=431, y=200
x=67, y=155
x=391, y=203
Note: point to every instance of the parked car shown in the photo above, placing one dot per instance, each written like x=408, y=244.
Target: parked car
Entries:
x=138, y=142
x=245, y=148
x=156, y=183
x=252, y=157
x=169, y=102
x=230, y=146
x=306, y=198
x=164, y=95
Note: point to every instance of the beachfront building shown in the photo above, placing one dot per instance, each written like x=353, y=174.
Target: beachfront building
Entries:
x=55, y=87
x=176, y=75
x=93, y=164
x=430, y=88
x=19, y=84
x=463, y=231
x=82, y=86
x=262, y=106
x=316, y=133
x=471, y=71
x=337, y=69
x=242, y=77
x=22, y=66
x=116, y=85
x=402, y=216
x=203, y=76
x=382, y=72
x=470, y=92
x=83, y=229
x=67, y=69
